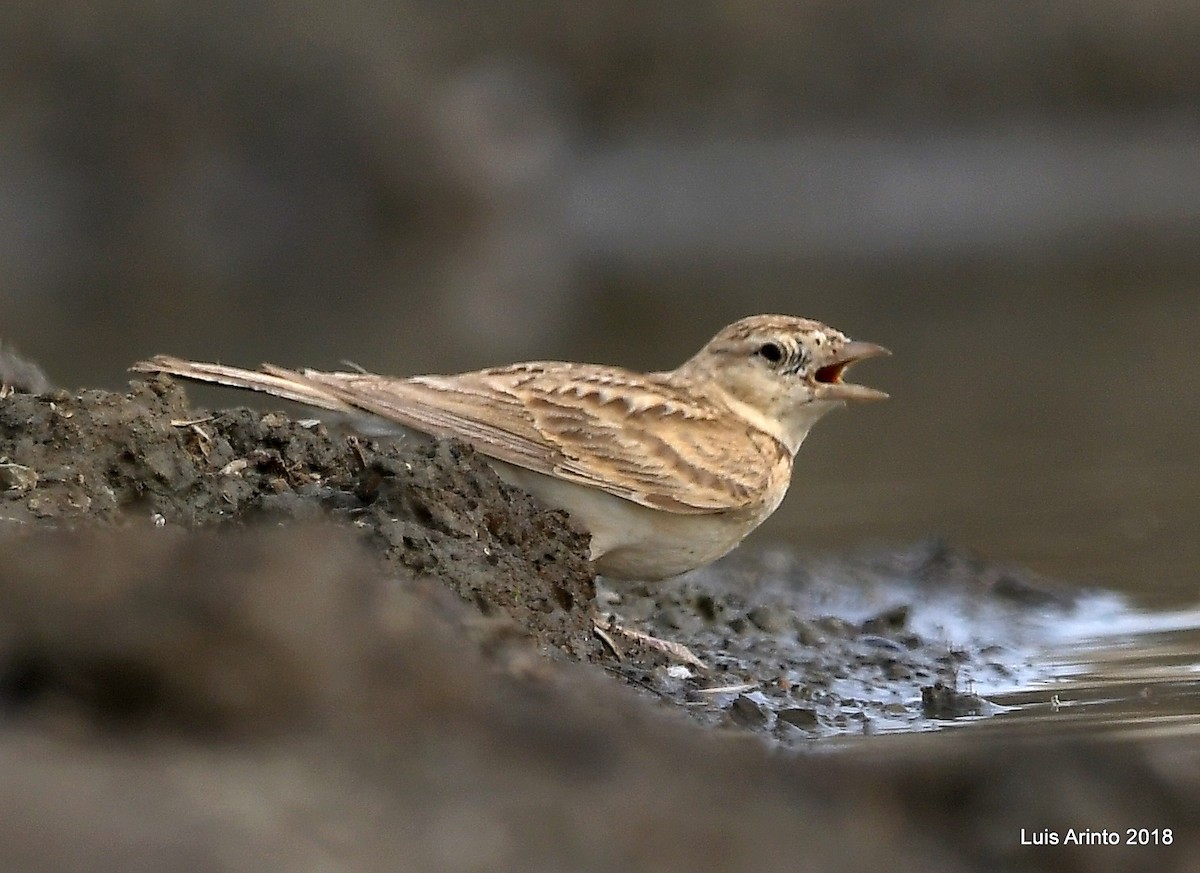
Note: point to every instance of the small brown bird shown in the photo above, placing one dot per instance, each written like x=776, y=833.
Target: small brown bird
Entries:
x=667, y=471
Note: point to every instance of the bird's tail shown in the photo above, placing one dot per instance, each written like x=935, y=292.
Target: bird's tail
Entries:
x=277, y=381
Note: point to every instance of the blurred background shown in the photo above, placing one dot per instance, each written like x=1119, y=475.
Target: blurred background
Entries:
x=1006, y=195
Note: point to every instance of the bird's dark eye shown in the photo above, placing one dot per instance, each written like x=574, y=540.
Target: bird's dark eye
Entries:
x=771, y=352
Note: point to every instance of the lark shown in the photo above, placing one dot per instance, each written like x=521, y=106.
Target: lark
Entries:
x=667, y=471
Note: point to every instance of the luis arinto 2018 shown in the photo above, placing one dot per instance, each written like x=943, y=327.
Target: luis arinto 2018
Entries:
x=1073, y=837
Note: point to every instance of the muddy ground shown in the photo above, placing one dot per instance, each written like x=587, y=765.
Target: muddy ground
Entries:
x=234, y=640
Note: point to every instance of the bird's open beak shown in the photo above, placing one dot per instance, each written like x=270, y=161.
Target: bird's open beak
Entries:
x=828, y=379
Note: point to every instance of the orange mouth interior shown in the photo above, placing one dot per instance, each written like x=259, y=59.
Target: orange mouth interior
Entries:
x=832, y=373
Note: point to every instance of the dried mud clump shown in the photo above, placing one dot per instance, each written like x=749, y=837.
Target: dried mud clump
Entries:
x=434, y=507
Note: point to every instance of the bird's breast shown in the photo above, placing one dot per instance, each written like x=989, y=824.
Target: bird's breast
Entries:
x=631, y=541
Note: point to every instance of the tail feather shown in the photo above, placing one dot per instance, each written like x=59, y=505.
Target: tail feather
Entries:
x=276, y=381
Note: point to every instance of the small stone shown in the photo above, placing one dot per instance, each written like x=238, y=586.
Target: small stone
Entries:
x=806, y=719
x=746, y=712
x=944, y=702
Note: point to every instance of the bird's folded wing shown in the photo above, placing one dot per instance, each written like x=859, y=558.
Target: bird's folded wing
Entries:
x=636, y=437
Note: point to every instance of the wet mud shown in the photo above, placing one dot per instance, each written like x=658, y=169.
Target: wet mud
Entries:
x=385, y=658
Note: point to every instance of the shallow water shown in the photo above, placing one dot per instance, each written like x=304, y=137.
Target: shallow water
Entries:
x=1130, y=674
x=1101, y=667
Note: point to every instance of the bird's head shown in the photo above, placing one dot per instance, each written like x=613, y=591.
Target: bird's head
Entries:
x=783, y=370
